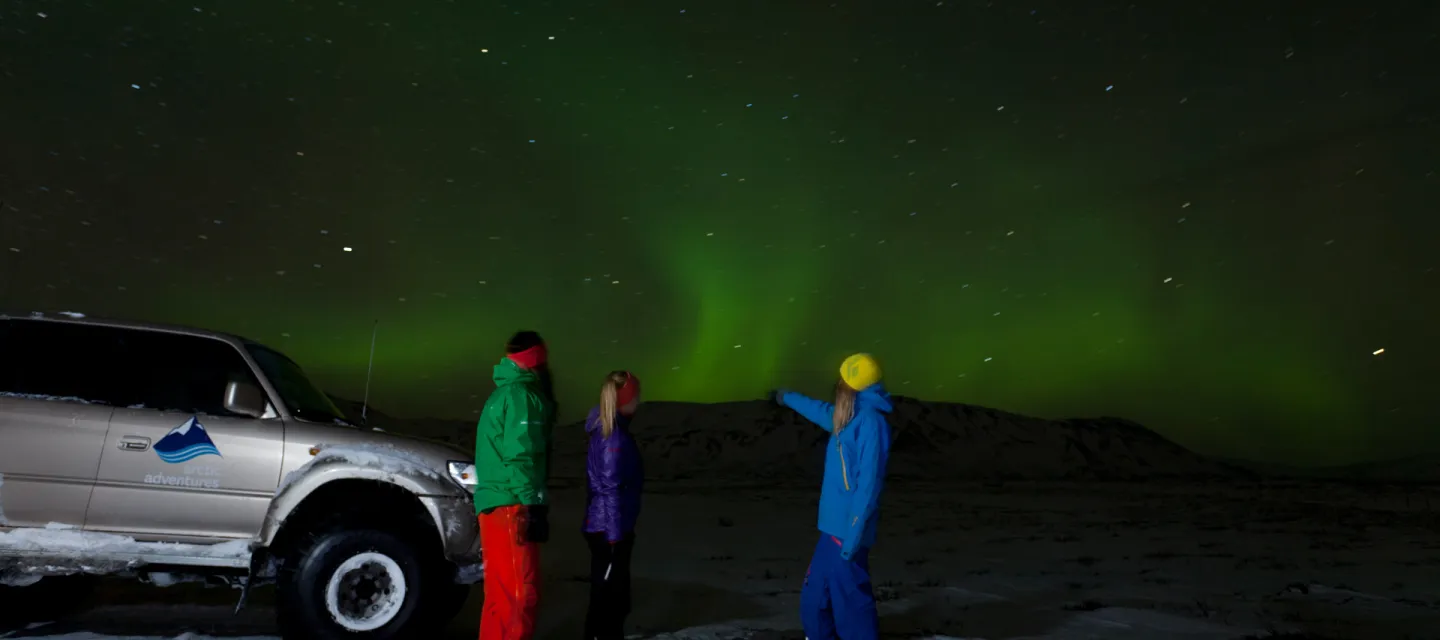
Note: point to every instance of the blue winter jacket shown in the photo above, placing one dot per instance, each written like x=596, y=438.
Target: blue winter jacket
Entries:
x=854, y=465
x=616, y=479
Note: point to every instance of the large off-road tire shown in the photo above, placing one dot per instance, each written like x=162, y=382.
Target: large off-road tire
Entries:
x=357, y=585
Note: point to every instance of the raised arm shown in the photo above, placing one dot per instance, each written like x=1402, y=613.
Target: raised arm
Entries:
x=816, y=411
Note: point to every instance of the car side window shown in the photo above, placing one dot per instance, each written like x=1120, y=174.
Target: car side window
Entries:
x=185, y=373
x=60, y=361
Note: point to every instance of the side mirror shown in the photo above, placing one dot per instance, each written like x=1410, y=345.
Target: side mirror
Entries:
x=244, y=399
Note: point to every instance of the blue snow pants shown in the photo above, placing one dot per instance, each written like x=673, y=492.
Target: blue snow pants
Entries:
x=837, y=602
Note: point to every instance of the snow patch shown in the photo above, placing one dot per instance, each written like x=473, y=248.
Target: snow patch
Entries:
x=781, y=621
x=232, y=549
x=709, y=632
x=968, y=597
x=66, y=540
x=385, y=458
x=161, y=579
x=184, y=636
x=38, y=396
x=1116, y=623
x=19, y=580
x=72, y=314
x=1126, y=623
x=1339, y=593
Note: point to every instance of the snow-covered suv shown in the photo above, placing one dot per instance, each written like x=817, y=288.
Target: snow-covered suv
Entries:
x=167, y=452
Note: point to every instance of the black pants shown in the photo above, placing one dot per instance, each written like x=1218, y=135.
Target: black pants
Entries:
x=609, y=587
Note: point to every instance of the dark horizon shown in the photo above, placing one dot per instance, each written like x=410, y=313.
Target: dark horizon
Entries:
x=1263, y=466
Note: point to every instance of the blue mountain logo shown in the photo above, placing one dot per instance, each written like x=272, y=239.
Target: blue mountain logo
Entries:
x=185, y=443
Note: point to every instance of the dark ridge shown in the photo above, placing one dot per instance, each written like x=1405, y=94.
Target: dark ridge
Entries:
x=932, y=441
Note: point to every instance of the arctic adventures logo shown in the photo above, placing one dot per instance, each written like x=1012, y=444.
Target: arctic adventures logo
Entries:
x=185, y=443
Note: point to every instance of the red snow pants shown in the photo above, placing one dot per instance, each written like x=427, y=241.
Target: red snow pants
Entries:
x=512, y=576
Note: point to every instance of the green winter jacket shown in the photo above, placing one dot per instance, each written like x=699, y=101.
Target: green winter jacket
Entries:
x=512, y=441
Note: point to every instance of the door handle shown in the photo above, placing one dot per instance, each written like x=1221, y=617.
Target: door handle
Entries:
x=134, y=443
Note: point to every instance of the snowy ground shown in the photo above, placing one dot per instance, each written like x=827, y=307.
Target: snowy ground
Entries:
x=1058, y=561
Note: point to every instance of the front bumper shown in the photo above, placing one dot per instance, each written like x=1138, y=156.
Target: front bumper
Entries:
x=459, y=534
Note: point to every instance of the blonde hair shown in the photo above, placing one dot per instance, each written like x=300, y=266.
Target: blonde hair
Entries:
x=844, y=406
x=609, y=392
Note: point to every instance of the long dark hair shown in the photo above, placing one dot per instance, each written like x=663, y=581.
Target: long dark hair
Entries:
x=523, y=340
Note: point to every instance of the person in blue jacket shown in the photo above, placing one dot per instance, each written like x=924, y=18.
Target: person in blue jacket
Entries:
x=837, y=600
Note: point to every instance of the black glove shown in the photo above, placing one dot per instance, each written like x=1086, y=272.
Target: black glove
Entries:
x=535, y=523
x=778, y=396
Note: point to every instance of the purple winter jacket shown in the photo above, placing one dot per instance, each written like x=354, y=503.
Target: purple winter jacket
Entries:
x=616, y=477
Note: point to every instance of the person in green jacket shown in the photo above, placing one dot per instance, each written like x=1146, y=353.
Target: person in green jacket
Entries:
x=512, y=452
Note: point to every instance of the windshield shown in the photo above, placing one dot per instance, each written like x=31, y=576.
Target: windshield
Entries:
x=304, y=400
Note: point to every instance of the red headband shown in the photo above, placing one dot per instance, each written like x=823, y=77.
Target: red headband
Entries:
x=529, y=358
x=627, y=391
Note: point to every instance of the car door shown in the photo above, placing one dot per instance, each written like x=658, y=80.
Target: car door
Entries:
x=177, y=465
x=54, y=412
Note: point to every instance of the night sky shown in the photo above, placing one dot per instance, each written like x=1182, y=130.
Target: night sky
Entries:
x=1203, y=216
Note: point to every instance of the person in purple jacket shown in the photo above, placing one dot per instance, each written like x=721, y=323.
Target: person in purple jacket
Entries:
x=616, y=477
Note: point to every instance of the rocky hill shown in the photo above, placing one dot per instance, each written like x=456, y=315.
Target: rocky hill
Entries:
x=758, y=441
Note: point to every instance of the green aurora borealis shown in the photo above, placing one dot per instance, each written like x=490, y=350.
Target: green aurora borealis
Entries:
x=728, y=200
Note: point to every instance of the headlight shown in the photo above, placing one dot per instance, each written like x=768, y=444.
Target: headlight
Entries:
x=463, y=473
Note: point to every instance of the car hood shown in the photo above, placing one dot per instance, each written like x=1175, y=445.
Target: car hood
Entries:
x=436, y=454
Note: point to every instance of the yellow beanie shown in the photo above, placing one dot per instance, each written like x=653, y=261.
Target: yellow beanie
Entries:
x=860, y=370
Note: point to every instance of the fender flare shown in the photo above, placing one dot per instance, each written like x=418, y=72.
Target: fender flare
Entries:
x=300, y=484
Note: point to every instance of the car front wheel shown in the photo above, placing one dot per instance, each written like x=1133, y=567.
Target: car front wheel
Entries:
x=354, y=585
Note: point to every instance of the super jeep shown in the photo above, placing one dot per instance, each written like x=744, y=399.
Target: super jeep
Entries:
x=169, y=453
